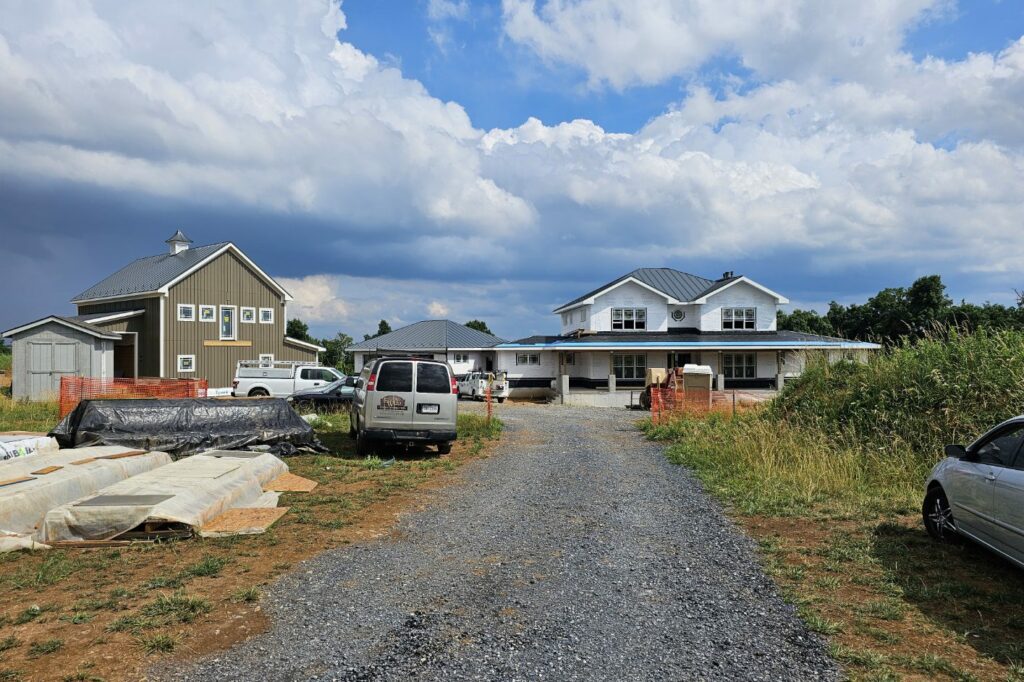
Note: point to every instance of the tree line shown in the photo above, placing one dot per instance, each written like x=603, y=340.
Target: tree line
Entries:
x=335, y=355
x=899, y=313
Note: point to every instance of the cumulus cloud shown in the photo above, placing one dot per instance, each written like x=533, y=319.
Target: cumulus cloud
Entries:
x=437, y=309
x=845, y=149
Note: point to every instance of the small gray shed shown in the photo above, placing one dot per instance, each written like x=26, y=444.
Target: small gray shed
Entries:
x=47, y=349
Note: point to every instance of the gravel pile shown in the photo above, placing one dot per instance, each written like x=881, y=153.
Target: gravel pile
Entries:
x=576, y=553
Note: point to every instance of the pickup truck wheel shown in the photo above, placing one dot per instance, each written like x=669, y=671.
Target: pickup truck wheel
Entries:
x=351, y=426
x=444, y=448
x=259, y=393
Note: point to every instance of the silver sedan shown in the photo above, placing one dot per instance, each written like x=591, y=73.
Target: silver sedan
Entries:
x=977, y=492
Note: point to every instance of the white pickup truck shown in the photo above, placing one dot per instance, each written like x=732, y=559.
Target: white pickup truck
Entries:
x=474, y=385
x=280, y=378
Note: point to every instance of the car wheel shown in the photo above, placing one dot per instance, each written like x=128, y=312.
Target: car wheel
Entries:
x=259, y=393
x=444, y=448
x=364, y=446
x=938, y=517
x=501, y=400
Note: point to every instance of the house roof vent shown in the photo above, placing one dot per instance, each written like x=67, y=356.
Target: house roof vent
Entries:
x=178, y=242
x=728, y=274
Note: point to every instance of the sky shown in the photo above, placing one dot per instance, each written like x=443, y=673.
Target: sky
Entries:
x=418, y=159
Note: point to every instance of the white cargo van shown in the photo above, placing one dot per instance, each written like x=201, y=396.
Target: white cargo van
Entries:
x=280, y=378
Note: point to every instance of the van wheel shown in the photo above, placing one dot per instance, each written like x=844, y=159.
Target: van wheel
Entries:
x=259, y=393
x=444, y=448
x=351, y=426
x=364, y=446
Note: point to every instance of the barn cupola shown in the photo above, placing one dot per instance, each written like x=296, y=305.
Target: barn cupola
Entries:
x=178, y=243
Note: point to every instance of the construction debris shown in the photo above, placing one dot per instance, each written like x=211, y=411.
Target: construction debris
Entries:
x=173, y=501
x=189, y=425
x=37, y=484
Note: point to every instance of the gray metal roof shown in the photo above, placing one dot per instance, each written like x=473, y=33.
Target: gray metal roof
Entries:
x=147, y=274
x=117, y=315
x=679, y=285
x=67, y=321
x=434, y=335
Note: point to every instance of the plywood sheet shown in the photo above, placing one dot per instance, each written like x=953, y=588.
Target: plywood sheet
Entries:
x=19, y=479
x=46, y=470
x=84, y=461
x=243, y=521
x=290, y=483
x=121, y=455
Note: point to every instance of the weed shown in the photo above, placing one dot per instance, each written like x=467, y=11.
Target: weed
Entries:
x=180, y=607
x=9, y=642
x=29, y=614
x=208, y=566
x=37, y=649
x=819, y=624
x=132, y=624
x=11, y=675
x=157, y=644
x=247, y=595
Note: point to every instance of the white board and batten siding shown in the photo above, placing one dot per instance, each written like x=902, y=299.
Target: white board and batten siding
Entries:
x=44, y=354
x=740, y=295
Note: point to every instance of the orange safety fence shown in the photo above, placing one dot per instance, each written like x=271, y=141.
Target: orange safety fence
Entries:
x=75, y=389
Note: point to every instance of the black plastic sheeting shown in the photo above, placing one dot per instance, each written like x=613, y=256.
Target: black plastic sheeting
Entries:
x=186, y=426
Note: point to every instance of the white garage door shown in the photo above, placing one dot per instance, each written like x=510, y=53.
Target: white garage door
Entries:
x=48, y=362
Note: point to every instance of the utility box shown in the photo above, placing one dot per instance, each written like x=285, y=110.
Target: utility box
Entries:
x=697, y=377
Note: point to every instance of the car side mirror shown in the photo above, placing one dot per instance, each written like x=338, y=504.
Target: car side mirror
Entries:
x=350, y=382
x=956, y=451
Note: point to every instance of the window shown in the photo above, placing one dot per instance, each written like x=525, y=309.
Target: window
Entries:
x=1000, y=450
x=249, y=315
x=266, y=359
x=527, y=359
x=739, y=318
x=583, y=315
x=186, y=363
x=460, y=357
x=679, y=359
x=207, y=313
x=566, y=319
x=431, y=378
x=186, y=312
x=266, y=316
x=629, y=318
x=629, y=366
x=568, y=358
x=317, y=374
x=227, y=323
x=739, y=365
x=395, y=376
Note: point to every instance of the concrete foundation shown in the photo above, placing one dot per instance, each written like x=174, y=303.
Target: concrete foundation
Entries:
x=599, y=398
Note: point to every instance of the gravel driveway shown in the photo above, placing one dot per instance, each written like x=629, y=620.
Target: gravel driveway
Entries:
x=575, y=553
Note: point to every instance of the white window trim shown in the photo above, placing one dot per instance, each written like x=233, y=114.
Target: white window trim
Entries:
x=743, y=312
x=241, y=315
x=633, y=311
x=189, y=306
x=744, y=356
x=182, y=370
x=259, y=316
x=212, y=309
x=266, y=359
x=531, y=359
x=234, y=330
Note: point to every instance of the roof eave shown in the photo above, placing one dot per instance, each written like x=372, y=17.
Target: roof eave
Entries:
x=672, y=300
x=113, y=336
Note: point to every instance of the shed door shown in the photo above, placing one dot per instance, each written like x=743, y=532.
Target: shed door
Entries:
x=48, y=362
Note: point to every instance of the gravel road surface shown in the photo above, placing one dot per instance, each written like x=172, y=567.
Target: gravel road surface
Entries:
x=576, y=552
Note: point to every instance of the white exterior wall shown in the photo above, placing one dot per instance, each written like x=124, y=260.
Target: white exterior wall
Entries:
x=740, y=295
x=691, y=316
x=577, y=318
x=476, y=362
x=629, y=295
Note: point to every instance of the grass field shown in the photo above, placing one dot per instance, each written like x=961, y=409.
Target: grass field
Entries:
x=829, y=479
x=108, y=613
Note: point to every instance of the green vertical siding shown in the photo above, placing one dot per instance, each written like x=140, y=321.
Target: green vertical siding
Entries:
x=227, y=280
x=147, y=325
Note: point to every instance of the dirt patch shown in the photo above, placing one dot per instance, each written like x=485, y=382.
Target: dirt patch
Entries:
x=895, y=603
x=110, y=613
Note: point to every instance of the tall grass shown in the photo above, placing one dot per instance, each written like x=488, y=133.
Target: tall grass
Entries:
x=20, y=415
x=853, y=438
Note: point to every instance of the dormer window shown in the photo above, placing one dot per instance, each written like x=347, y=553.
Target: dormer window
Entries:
x=737, y=319
x=629, y=319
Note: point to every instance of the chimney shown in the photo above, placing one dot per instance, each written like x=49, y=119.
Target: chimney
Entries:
x=727, y=274
x=177, y=243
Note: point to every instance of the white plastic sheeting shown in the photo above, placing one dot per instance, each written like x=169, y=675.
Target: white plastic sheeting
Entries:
x=23, y=505
x=194, y=491
x=14, y=446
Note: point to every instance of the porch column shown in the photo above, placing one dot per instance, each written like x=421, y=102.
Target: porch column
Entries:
x=720, y=374
x=611, y=373
x=780, y=376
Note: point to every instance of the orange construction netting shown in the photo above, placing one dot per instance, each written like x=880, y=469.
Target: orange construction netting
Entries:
x=75, y=389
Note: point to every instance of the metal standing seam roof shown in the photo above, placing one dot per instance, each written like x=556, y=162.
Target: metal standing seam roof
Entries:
x=67, y=320
x=148, y=274
x=430, y=335
x=682, y=286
